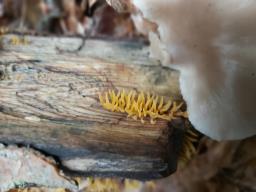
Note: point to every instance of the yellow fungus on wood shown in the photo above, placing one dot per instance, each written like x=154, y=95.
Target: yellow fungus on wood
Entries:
x=141, y=105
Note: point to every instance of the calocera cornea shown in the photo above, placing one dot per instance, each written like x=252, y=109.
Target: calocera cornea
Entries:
x=141, y=105
x=189, y=146
x=3, y=31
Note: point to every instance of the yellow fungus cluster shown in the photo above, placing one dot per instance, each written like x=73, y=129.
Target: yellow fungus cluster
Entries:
x=91, y=184
x=189, y=149
x=3, y=30
x=14, y=39
x=141, y=105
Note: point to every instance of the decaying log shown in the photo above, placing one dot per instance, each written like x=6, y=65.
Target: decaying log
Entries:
x=49, y=100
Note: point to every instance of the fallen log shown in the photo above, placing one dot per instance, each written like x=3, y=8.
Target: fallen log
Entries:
x=49, y=101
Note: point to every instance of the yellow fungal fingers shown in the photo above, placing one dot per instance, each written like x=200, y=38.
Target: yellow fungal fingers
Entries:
x=122, y=102
x=153, y=107
x=175, y=108
x=191, y=139
x=128, y=101
x=189, y=149
x=101, y=99
x=192, y=133
x=152, y=121
x=190, y=146
x=155, y=104
x=141, y=105
x=106, y=98
x=182, y=114
x=161, y=102
x=139, y=100
x=166, y=107
x=143, y=97
x=148, y=103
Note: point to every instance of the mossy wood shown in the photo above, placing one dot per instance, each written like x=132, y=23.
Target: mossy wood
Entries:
x=49, y=100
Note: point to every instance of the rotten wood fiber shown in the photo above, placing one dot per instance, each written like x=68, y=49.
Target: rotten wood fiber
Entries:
x=49, y=100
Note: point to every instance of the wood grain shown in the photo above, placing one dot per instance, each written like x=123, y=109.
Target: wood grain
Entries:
x=49, y=100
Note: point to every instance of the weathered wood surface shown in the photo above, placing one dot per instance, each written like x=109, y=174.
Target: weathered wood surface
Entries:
x=49, y=100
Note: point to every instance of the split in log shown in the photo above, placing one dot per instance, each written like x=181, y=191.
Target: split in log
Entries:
x=49, y=100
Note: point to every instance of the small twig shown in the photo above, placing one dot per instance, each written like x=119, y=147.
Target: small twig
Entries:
x=84, y=37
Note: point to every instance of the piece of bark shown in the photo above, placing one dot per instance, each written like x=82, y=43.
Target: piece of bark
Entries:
x=49, y=100
x=23, y=166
